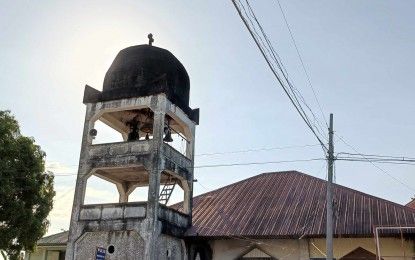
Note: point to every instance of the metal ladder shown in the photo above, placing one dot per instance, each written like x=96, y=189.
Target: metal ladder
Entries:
x=166, y=192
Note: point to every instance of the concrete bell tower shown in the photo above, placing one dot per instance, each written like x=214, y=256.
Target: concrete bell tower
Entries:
x=145, y=98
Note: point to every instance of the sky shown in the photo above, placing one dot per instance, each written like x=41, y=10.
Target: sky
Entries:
x=359, y=55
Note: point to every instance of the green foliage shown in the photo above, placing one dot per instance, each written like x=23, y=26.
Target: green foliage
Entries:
x=26, y=190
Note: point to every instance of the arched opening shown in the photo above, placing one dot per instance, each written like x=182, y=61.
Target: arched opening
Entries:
x=139, y=194
x=178, y=142
x=123, y=125
x=99, y=191
x=127, y=180
x=177, y=135
x=176, y=196
x=138, y=125
x=171, y=190
x=105, y=134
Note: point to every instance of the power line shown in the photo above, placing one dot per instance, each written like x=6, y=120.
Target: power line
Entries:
x=258, y=149
x=249, y=150
x=203, y=186
x=243, y=164
x=208, y=166
x=256, y=163
x=292, y=96
x=64, y=193
x=377, y=161
x=387, y=159
x=277, y=59
x=221, y=165
x=380, y=157
x=376, y=166
x=302, y=62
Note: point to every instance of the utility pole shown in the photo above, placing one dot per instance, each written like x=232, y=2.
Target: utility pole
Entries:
x=329, y=198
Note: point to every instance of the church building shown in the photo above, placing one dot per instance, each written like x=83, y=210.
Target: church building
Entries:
x=277, y=215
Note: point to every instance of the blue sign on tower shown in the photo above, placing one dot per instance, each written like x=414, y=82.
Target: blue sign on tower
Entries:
x=100, y=254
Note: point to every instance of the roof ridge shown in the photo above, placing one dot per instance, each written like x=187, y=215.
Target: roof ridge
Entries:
x=60, y=233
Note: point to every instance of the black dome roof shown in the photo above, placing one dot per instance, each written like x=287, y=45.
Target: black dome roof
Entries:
x=144, y=70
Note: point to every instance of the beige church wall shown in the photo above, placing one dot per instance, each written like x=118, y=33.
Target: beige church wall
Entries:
x=52, y=255
x=41, y=254
x=278, y=248
x=391, y=248
x=230, y=249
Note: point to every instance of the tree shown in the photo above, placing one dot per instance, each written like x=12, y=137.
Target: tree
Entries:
x=26, y=190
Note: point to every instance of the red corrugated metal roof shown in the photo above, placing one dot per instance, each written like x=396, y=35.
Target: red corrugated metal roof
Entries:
x=411, y=204
x=290, y=204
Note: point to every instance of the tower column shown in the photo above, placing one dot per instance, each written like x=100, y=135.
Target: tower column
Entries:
x=157, y=166
x=75, y=229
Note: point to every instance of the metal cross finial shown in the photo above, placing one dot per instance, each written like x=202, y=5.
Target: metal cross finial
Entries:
x=150, y=39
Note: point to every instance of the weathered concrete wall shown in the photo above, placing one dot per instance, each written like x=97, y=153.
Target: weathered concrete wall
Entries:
x=127, y=245
x=119, y=154
x=172, y=247
x=113, y=211
x=174, y=217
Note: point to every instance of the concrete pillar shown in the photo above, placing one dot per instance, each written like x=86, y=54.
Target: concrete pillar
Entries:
x=157, y=165
x=75, y=229
x=123, y=192
x=191, y=180
x=187, y=196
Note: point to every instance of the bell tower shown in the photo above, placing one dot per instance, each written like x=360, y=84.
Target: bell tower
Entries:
x=145, y=98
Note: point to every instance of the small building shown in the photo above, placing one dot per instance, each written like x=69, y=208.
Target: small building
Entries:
x=281, y=215
x=52, y=247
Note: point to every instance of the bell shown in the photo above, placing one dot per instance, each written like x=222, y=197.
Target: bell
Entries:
x=147, y=137
x=147, y=128
x=133, y=135
x=167, y=138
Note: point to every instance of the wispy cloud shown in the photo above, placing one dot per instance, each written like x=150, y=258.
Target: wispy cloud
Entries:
x=57, y=167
